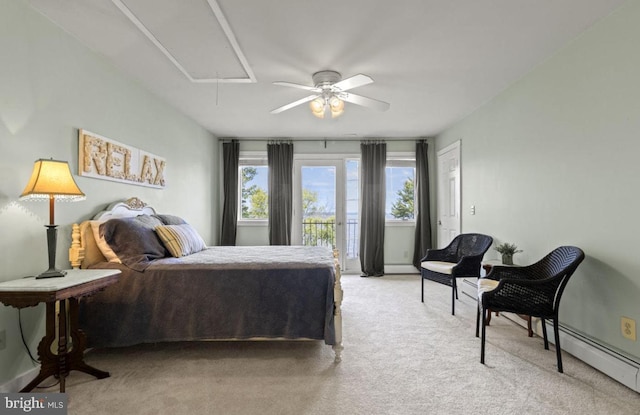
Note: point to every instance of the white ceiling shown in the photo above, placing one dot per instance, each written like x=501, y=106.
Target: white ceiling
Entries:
x=435, y=61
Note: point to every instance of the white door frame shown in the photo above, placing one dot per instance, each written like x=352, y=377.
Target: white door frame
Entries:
x=449, y=193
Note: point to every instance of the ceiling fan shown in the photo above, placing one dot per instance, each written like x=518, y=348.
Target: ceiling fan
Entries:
x=330, y=94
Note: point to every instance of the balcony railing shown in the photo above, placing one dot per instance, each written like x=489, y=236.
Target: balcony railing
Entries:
x=323, y=233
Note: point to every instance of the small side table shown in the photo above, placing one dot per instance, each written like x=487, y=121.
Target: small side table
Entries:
x=487, y=265
x=67, y=290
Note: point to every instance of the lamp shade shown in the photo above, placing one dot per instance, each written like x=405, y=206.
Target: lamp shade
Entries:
x=52, y=179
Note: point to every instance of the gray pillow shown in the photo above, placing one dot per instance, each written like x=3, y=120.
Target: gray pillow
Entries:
x=134, y=240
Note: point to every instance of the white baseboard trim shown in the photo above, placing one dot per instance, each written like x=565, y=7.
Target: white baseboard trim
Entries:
x=388, y=269
x=400, y=269
x=597, y=355
x=19, y=382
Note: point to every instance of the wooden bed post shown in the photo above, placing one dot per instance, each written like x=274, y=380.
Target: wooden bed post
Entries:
x=76, y=251
x=337, y=312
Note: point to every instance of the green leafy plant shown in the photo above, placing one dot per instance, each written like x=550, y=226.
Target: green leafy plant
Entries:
x=507, y=249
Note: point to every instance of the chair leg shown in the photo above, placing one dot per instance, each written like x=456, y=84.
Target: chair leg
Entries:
x=478, y=321
x=484, y=333
x=422, y=280
x=453, y=299
x=544, y=334
x=556, y=334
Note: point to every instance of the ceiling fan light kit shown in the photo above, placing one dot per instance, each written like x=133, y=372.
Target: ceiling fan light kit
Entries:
x=329, y=94
x=332, y=104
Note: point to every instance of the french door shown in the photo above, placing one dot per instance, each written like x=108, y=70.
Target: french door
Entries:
x=321, y=202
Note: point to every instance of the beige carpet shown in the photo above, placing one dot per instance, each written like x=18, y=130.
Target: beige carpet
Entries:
x=400, y=357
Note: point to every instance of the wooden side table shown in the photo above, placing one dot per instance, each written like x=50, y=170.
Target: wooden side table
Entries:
x=66, y=291
x=487, y=265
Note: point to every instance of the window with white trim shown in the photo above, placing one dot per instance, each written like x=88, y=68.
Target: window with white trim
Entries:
x=400, y=196
x=254, y=190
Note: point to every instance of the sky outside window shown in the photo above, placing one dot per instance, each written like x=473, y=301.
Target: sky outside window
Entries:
x=320, y=181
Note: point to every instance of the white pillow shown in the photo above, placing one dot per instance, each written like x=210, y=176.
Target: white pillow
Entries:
x=103, y=246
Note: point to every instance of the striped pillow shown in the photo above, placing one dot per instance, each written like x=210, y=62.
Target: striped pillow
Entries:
x=180, y=240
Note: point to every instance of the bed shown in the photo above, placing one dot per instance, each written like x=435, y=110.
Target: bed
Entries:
x=213, y=293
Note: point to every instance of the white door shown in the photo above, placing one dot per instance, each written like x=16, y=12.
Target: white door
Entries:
x=318, y=213
x=448, y=163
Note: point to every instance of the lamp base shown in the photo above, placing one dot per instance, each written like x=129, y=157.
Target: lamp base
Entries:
x=52, y=273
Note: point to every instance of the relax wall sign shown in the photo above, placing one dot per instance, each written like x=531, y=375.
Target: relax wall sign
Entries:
x=102, y=158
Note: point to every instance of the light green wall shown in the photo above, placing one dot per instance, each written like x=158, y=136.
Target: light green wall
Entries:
x=51, y=85
x=553, y=160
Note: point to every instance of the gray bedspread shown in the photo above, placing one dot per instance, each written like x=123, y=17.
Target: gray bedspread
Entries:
x=219, y=293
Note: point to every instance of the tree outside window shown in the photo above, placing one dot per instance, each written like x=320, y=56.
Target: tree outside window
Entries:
x=403, y=207
x=254, y=194
x=400, y=204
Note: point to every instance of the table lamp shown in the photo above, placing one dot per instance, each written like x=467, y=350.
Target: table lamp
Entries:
x=52, y=180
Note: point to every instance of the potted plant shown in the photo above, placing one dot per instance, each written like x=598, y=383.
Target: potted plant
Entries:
x=507, y=251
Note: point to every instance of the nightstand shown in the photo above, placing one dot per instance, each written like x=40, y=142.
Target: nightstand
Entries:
x=64, y=291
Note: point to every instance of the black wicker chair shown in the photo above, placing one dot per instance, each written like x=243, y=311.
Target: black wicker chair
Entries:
x=534, y=290
x=461, y=258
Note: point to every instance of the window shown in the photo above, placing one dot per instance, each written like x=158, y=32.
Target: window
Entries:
x=254, y=193
x=400, y=200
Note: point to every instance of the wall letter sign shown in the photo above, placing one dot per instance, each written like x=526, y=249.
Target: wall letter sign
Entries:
x=102, y=158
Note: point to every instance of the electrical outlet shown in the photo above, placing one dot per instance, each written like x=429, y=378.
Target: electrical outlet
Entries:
x=3, y=339
x=628, y=327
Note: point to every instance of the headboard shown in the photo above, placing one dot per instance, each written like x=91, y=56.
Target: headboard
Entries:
x=84, y=251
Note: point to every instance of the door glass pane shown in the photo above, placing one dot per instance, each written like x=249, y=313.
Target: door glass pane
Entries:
x=318, y=205
x=353, y=203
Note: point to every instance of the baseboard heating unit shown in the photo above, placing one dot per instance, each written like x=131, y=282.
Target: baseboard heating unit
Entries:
x=608, y=361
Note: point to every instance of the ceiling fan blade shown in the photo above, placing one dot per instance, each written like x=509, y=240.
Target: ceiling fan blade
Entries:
x=364, y=101
x=305, y=87
x=353, y=82
x=294, y=104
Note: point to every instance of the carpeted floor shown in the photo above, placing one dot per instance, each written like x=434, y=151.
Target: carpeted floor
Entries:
x=401, y=357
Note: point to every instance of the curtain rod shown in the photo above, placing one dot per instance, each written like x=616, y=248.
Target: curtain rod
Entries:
x=347, y=140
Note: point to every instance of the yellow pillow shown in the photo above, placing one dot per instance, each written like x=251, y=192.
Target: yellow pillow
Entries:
x=180, y=240
x=103, y=246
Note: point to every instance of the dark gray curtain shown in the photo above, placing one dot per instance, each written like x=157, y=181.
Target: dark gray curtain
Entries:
x=230, y=160
x=423, y=220
x=373, y=159
x=280, y=161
